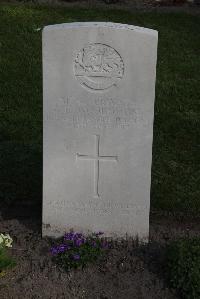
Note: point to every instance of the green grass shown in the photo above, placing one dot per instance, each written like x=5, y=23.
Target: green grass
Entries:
x=175, y=170
x=183, y=267
x=6, y=262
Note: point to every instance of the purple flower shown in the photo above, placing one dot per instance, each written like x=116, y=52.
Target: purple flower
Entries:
x=54, y=251
x=79, y=242
x=72, y=236
x=94, y=244
x=104, y=244
x=62, y=248
x=69, y=236
x=76, y=257
x=59, y=249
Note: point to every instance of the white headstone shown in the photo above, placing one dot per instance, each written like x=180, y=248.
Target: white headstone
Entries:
x=99, y=87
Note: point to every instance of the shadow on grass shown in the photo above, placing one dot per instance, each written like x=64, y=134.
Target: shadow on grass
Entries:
x=20, y=180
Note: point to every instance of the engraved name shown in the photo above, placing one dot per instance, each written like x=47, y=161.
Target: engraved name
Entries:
x=102, y=113
x=92, y=207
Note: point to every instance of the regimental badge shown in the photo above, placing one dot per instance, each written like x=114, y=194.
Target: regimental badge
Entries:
x=98, y=66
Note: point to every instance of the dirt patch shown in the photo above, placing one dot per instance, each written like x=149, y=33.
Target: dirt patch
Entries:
x=126, y=272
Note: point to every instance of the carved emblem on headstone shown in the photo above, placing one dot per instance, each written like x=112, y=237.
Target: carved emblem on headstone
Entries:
x=98, y=66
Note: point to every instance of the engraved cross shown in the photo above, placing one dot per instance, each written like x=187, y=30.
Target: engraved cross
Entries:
x=96, y=158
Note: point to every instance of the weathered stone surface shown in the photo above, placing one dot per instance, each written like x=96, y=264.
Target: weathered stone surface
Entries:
x=99, y=84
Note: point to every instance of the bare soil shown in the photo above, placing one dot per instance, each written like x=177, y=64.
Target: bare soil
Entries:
x=127, y=271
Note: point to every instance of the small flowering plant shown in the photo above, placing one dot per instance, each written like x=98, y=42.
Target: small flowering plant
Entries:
x=5, y=241
x=5, y=260
x=77, y=250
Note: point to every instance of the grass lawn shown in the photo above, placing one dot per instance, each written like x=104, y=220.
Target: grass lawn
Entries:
x=176, y=158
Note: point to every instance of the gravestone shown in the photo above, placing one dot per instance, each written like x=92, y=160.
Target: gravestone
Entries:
x=99, y=87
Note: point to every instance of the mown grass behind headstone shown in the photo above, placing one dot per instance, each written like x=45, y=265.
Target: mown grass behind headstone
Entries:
x=183, y=267
x=175, y=170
